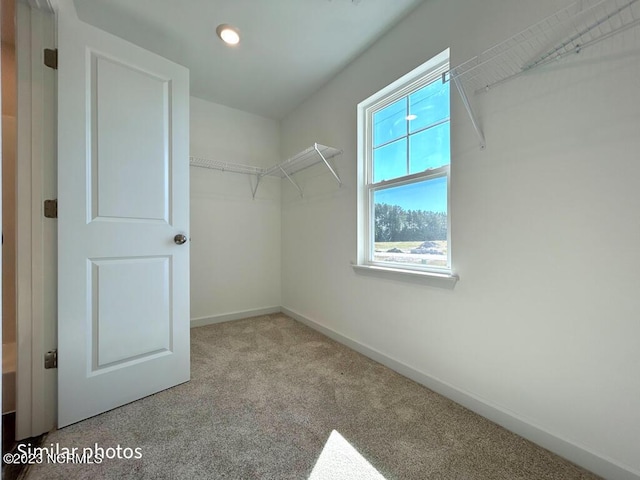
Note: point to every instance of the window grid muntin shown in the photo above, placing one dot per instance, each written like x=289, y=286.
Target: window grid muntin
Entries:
x=435, y=124
x=437, y=74
x=408, y=145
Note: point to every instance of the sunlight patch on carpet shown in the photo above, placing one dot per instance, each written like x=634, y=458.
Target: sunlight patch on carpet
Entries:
x=340, y=461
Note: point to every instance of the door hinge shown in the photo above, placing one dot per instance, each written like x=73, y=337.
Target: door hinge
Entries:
x=51, y=58
x=51, y=208
x=51, y=359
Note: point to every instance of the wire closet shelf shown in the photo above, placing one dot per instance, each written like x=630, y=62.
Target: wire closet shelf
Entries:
x=570, y=30
x=311, y=156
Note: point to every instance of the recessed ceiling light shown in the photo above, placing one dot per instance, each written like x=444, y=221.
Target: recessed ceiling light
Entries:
x=228, y=34
x=411, y=117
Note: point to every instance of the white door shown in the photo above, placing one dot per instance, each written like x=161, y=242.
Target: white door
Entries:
x=123, y=166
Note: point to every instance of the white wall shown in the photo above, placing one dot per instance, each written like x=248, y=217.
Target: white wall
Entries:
x=235, y=247
x=543, y=326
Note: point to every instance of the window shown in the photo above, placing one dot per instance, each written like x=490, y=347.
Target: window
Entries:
x=404, y=153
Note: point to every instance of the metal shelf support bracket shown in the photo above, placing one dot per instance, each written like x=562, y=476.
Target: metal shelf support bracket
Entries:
x=291, y=180
x=315, y=146
x=472, y=115
x=255, y=189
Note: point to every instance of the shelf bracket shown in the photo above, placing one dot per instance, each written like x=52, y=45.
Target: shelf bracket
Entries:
x=315, y=146
x=255, y=189
x=467, y=105
x=291, y=180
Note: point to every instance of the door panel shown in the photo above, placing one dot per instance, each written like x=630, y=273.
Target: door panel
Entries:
x=123, y=160
x=125, y=330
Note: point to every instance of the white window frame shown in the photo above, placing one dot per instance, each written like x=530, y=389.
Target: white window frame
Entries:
x=432, y=70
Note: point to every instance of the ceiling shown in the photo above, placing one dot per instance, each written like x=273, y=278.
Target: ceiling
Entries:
x=289, y=48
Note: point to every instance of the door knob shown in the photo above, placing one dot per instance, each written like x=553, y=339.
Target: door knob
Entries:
x=180, y=239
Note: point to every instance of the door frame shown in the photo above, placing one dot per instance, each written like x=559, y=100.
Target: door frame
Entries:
x=37, y=180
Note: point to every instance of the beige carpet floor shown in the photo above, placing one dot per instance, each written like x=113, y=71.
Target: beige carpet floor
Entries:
x=272, y=399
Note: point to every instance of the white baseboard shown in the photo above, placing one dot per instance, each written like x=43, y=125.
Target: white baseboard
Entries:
x=580, y=455
x=227, y=317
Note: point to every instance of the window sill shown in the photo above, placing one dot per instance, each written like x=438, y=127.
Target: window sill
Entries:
x=441, y=280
